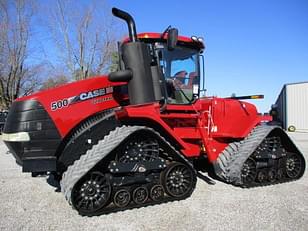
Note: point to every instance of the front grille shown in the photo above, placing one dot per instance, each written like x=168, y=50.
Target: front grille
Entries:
x=30, y=116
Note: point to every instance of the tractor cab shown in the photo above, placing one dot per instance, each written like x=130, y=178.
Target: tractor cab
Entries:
x=178, y=65
x=180, y=68
x=159, y=67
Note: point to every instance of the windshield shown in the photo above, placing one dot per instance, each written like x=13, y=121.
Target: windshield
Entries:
x=181, y=72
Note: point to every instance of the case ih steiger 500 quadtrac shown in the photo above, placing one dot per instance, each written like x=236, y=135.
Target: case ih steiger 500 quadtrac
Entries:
x=130, y=139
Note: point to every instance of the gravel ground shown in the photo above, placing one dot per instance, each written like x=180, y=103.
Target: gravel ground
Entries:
x=28, y=203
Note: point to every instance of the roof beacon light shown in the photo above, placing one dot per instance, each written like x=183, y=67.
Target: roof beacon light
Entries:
x=194, y=38
x=200, y=39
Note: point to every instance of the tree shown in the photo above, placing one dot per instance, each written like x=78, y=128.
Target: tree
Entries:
x=85, y=36
x=16, y=77
x=55, y=81
x=114, y=66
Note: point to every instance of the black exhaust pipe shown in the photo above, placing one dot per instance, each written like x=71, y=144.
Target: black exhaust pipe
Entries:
x=137, y=61
x=130, y=22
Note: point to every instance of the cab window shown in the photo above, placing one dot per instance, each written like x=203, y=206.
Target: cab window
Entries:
x=181, y=72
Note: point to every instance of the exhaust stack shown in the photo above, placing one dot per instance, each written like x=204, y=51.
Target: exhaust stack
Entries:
x=137, y=62
x=130, y=23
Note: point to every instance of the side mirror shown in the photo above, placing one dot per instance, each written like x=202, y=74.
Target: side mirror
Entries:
x=120, y=76
x=172, y=38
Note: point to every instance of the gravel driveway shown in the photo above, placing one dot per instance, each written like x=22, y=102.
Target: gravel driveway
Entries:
x=28, y=203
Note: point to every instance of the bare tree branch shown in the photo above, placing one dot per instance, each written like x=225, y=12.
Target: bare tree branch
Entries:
x=85, y=34
x=15, y=19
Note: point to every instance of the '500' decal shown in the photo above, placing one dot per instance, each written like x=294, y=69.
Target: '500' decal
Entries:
x=55, y=105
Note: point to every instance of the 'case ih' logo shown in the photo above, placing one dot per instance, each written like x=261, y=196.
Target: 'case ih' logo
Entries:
x=81, y=97
x=95, y=93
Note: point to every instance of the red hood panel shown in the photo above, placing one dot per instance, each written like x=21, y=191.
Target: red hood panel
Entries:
x=68, y=104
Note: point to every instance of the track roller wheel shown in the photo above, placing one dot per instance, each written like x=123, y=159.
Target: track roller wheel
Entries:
x=157, y=192
x=121, y=198
x=262, y=176
x=91, y=193
x=271, y=175
x=249, y=171
x=280, y=174
x=178, y=180
x=293, y=166
x=140, y=195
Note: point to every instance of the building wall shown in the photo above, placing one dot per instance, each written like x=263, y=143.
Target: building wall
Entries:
x=297, y=106
x=281, y=107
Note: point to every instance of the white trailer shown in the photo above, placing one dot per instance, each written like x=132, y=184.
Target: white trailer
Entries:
x=292, y=107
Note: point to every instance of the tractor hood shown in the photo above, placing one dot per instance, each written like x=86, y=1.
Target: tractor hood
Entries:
x=75, y=101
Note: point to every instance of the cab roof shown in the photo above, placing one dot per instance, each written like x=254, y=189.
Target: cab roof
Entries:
x=157, y=37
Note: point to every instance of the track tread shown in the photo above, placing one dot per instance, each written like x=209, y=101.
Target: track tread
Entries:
x=91, y=158
x=230, y=161
x=75, y=146
x=99, y=151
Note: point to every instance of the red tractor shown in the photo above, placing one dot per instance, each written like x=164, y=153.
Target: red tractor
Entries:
x=131, y=138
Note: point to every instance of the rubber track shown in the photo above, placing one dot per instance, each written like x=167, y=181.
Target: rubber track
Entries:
x=91, y=122
x=98, y=152
x=74, y=145
x=229, y=163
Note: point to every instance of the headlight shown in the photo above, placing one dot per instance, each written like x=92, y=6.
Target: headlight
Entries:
x=16, y=137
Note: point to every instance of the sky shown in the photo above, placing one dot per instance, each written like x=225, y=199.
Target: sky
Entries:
x=252, y=46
